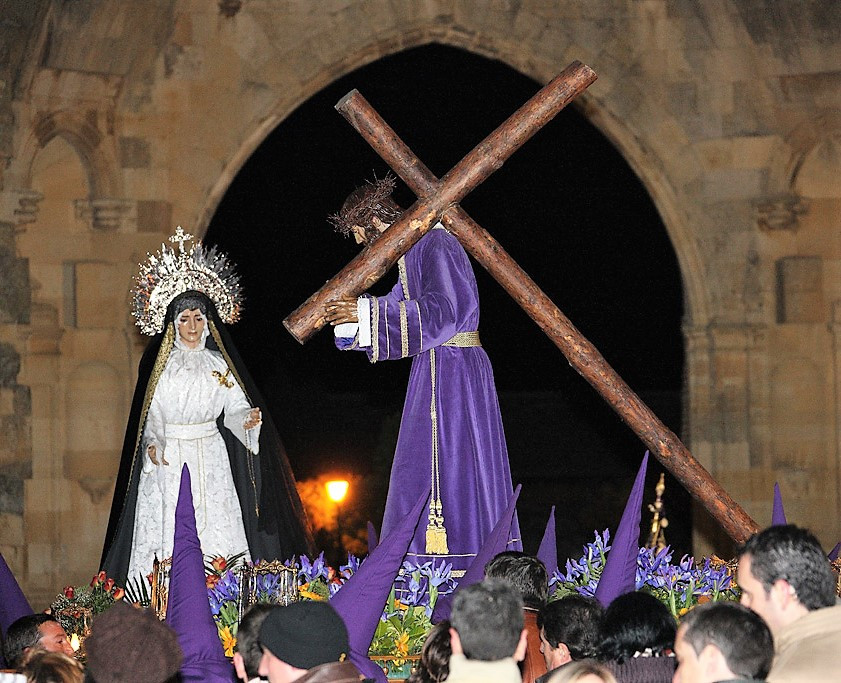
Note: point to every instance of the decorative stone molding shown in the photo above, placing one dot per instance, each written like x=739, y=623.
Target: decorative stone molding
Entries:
x=19, y=207
x=108, y=215
x=780, y=213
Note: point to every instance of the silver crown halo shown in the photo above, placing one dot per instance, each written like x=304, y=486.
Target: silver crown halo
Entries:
x=168, y=273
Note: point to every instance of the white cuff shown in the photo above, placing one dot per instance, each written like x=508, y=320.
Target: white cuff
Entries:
x=345, y=330
x=363, y=314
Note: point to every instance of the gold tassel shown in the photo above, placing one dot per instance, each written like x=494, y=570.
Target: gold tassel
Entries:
x=436, y=532
x=436, y=540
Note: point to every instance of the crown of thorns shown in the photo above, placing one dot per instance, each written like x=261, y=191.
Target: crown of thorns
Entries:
x=364, y=203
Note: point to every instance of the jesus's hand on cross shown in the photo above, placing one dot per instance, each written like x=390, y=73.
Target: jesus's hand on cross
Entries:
x=341, y=311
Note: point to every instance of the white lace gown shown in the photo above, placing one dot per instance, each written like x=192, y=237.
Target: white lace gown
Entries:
x=191, y=393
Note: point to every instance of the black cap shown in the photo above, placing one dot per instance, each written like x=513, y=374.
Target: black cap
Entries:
x=305, y=634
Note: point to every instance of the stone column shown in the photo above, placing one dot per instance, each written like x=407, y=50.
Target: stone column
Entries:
x=835, y=329
x=17, y=207
x=724, y=363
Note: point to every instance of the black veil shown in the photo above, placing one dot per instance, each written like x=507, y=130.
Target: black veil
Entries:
x=275, y=523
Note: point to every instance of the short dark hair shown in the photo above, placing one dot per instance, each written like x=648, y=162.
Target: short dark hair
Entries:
x=738, y=632
x=248, y=637
x=573, y=620
x=793, y=554
x=488, y=617
x=22, y=634
x=635, y=622
x=525, y=572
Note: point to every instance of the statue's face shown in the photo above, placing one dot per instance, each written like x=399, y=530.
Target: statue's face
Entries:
x=190, y=327
x=365, y=237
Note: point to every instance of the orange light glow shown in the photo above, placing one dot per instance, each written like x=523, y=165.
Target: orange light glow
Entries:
x=337, y=490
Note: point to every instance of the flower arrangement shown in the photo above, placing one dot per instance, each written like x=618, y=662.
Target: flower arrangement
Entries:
x=407, y=619
x=402, y=627
x=75, y=606
x=680, y=586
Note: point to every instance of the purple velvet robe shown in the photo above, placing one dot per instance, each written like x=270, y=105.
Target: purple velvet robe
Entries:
x=474, y=475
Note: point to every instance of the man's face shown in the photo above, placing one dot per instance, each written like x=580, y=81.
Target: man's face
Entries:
x=54, y=639
x=553, y=657
x=755, y=597
x=688, y=666
x=276, y=670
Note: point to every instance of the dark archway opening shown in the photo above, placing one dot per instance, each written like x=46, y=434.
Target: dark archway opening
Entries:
x=566, y=206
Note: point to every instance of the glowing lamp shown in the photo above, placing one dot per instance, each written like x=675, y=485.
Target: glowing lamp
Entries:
x=337, y=490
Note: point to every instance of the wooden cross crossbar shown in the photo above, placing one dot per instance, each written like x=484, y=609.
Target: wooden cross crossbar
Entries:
x=580, y=353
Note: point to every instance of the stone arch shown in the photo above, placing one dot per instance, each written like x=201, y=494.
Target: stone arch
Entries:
x=643, y=161
x=87, y=141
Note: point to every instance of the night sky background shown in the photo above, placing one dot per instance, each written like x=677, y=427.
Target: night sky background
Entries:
x=569, y=210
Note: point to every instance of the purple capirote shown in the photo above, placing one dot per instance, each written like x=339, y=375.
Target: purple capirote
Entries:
x=188, y=609
x=361, y=601
x=547, y=553
x=778, y=513
x=620, y=568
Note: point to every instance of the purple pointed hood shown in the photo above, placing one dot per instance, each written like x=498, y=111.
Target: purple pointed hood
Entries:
x=188, y=609
x=547, y=553
x=373, y=539
x=778, y=513
x=13, y=603
x=494, y=544
x=361, y=600
x=620, y=569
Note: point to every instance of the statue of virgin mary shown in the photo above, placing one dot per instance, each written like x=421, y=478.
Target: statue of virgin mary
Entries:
x=195, y=403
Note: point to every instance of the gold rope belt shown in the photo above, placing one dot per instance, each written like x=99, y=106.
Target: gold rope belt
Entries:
x=464, y=340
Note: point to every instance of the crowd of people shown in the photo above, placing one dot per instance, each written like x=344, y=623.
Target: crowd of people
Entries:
x=787, y=629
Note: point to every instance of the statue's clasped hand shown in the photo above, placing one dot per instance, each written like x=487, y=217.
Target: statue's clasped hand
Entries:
x=341, y=311
x=254, y=418
x=152, y=451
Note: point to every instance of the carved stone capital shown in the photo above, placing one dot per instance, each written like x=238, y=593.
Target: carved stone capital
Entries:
x=780, y=213
x=108, y=214
x=19, y=207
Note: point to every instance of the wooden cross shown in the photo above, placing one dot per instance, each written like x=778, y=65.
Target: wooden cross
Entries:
x=438, y=200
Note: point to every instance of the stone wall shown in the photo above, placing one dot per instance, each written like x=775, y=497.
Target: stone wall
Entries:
x=119, y=120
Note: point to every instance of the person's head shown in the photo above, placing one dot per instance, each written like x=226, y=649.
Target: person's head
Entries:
x=584, y=671
x=127, y=643
x=783, y=574
x=40, y=631
x=487, y=622
x=367, y=211
x=300, y=637
x=569, y=629
x=190, y=315
x=526, y=573
x=635, y=622
x=52, y=667
x=434, y=665
x=249, y=653
x=721, y=641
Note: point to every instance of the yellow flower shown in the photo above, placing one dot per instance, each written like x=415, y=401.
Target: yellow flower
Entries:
x=309, y=595
x=228, y=641
x=399, y=605
x=401, y=645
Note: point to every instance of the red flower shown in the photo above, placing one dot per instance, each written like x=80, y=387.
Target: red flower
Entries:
x=211, y=580
x=109, y=584
x=119, y=593
x=220, y=564
x=99, y=578
x=69, y=592
x=149, y=578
